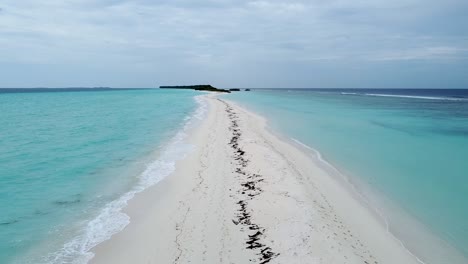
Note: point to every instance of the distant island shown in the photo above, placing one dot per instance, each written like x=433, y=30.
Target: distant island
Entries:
x=204, y=87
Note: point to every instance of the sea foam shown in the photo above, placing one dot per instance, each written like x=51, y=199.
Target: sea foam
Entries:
x=417, y=97
x=407, y=96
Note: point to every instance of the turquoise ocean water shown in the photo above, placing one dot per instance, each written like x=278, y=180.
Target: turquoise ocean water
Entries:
x=69, y=162
x=410, y=147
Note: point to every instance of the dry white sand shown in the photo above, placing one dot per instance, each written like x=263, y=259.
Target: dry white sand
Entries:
x=246, y=196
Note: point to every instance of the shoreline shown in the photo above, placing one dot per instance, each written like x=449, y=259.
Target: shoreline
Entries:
x=110, y=218
x=391, y=216
x=424, y=244
x=252, y=188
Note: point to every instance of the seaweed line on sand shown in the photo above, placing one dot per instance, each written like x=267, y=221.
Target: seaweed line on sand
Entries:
x=249, y=189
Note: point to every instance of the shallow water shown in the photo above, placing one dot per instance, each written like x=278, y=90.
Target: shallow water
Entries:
x=410, y=146
x=69, y=157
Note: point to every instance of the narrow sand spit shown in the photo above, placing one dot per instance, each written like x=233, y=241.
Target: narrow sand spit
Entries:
x=245, y=196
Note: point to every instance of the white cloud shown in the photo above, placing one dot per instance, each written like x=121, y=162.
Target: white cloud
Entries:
x=219, y=37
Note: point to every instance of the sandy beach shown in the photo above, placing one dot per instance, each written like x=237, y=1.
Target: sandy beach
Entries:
x=244, y=195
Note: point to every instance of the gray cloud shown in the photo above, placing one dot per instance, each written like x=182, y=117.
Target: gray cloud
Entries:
x=272, y=43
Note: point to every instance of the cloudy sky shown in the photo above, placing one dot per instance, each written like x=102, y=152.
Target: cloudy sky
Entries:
x=234, y=43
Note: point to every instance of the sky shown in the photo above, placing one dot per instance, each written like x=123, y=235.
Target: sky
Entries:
x=234, y=43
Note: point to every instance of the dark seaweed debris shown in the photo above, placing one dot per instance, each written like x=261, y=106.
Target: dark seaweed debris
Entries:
x=249, y=190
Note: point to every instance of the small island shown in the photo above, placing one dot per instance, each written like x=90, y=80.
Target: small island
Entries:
x=204, y=87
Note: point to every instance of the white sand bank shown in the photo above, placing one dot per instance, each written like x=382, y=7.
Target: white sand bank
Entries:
x=245, y=196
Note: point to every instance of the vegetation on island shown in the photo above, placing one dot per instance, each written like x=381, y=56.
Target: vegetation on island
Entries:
x=204, y=87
